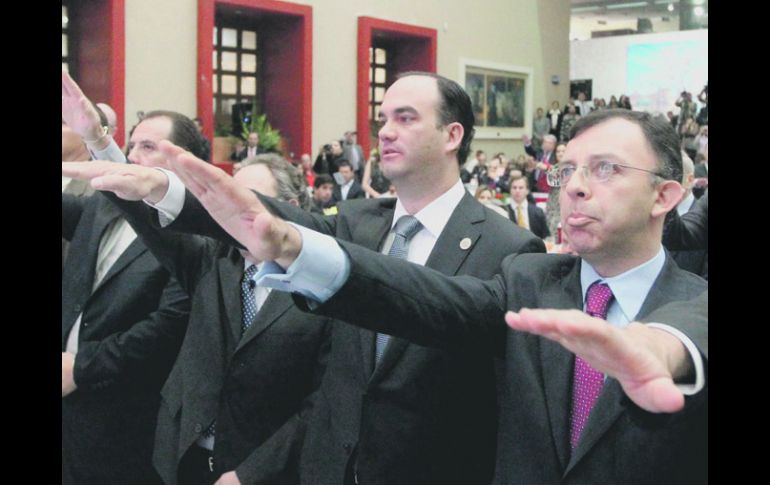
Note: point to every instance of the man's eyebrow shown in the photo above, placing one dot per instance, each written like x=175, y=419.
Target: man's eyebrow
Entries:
x=398, y=111
x=603, y=156
x=405, y=109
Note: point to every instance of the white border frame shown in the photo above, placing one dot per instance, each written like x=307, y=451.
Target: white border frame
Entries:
x=496, y=133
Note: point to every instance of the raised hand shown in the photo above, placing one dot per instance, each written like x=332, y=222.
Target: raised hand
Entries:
x=127, y=181
x=77, y=111
x=229, y=203
x=643, y=360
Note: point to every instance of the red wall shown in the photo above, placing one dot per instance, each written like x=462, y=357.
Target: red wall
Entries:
x=100, y=27
x=414, y=50
x=288, y=50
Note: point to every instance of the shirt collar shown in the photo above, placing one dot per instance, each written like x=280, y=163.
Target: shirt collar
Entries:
x=435, y=215
x=685, y=205
x=247, y=263
x=630, y=288
x=524, y=204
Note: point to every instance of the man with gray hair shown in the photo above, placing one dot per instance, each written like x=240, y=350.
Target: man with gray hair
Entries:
x=289, y=182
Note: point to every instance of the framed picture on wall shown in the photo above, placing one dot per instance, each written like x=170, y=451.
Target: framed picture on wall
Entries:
x=502, y=98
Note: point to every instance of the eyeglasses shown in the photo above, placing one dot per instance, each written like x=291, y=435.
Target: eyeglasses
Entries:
x=600, y=171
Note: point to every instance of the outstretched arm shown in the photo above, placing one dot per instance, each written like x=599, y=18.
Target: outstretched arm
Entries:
x=127, y=181
x=646, y=361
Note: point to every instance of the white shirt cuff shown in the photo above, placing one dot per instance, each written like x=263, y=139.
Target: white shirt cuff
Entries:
x=111, y=153
x=319, y=271
x=171, y=204
x=697, y=359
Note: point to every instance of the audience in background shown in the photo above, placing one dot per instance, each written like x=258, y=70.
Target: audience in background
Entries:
x=353, y=153
x=374, y=182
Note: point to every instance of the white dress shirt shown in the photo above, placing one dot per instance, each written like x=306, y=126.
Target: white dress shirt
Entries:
x=684, y=206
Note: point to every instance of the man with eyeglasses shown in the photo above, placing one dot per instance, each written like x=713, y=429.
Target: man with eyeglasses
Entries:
x=581, y=401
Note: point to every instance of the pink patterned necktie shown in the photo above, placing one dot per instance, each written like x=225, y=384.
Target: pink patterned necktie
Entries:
x=587, y=382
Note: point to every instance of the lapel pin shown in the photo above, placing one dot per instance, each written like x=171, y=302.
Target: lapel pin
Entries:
x=465, y=243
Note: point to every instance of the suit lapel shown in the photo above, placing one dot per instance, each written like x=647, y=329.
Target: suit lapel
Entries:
x=230, y=275
x=108, y=213
x=274, y=306
x=563, y=292
x=370, y=232
x=461, y=228
x=372, y=227
x=447, y=256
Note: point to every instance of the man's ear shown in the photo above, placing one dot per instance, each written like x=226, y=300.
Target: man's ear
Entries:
x=669, y=194
x=455, y=133
x=294, y=202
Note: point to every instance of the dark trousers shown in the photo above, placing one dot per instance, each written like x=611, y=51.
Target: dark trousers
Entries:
x=196, y=467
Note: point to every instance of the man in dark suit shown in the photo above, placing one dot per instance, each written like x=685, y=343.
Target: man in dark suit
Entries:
x=123, y=319
x=252, y=148
x=581, y=401
x=416, y=415
x=254, y=382
x=233, y=404
x=545, y=158
x=349, y=188
x=532, y=216
x=692, y=259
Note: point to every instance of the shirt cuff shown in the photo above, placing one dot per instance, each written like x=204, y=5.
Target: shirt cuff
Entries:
x=171, y=204
x=319, y=271
x=695, y=355
x=111, y=153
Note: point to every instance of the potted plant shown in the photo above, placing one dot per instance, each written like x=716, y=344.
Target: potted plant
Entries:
x=269, y=138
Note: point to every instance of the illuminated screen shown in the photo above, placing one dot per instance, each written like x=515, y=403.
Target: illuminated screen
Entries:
x=658, y=73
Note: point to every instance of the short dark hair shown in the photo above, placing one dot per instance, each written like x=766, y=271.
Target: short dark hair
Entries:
x=343, y=163
x=455, y=106
x=184, y=133
x=519, y=177
x=322, y=179
x=657, y=131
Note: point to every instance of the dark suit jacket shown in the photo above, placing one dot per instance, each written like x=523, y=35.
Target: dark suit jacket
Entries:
x=131, y=329
x=245, y=152
x=537, y=223
x=355, y=192
x=621, y=443
x=700, y=171
x=258, y=386
x=687, y=237
x=424, y=416
x=537, y=178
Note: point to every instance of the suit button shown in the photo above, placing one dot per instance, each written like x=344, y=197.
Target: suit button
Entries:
x=347, y=447
x=77, y=308
x=85, y=324
x=198, y=428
